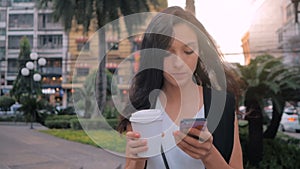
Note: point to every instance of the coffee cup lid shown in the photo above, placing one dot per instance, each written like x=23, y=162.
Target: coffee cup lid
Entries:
x=146, y=116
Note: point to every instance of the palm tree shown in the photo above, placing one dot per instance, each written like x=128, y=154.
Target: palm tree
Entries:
x=86, y=94
x=265, y=77
x=103, y=11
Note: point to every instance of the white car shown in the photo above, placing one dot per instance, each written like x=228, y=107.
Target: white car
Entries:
x=290, y=120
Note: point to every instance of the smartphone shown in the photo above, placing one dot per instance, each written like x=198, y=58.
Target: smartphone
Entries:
x=197, y=123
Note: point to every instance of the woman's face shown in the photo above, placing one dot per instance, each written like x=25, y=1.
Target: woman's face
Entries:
x=181, y=63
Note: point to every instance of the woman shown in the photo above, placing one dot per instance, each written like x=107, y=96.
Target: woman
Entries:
x=182, y=74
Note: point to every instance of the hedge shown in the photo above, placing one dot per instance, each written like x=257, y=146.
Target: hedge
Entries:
x=278, y=153
x=57, y=124
x=61, y=117
x=93, y=124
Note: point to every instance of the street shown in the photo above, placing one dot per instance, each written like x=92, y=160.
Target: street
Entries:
x=24, y=148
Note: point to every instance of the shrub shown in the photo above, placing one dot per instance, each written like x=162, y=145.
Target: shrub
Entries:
x=278, y=153
x=75, y=124
x=6, y=102
x=110, y=112
x=7, y=118
x=57, y=124
x=59, y=121
x=113, y=123
x=61, y=117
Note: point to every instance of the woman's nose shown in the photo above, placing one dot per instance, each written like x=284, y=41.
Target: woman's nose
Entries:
x=178, y=62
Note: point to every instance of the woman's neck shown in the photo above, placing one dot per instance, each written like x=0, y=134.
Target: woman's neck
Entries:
x=173, y=92
x=181, y=102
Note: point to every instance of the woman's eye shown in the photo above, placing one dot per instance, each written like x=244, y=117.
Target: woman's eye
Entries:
x=189, y=52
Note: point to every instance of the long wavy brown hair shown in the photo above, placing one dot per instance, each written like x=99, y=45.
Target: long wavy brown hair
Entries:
x=158, y=36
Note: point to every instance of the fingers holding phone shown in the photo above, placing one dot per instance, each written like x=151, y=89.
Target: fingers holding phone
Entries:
x=194, y=138
x=194, y=128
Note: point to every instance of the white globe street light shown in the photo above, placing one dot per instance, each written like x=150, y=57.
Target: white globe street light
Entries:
x=25, y=71
x=32, y=66
x=33, y=56
x=37, y=77
x=42, y=61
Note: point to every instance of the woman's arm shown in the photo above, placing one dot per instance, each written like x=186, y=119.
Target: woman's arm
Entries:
x=215, y=160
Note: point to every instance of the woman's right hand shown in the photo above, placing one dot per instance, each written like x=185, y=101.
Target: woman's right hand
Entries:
x=135, y=145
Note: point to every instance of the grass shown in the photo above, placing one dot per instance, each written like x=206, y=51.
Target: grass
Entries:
x=106, y=139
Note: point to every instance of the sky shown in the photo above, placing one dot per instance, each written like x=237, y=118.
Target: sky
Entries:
x=226, y=20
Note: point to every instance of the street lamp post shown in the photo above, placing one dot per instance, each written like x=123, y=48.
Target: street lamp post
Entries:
x=31, y=66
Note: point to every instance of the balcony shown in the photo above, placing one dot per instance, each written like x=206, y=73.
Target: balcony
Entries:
x=289, y=35
x=20, y=22
x=46, y=22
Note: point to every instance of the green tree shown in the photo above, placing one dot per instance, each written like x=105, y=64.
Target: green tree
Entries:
x=265, y=77
x=104, y=11
x=86, y=95
x=24, y=86
x=25, y=89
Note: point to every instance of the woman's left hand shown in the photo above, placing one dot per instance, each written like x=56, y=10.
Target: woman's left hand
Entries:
x=196, y=148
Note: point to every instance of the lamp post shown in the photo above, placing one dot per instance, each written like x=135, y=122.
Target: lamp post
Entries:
x=31, y=66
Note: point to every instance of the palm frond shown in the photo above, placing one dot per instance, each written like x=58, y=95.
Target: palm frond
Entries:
x=273, y=87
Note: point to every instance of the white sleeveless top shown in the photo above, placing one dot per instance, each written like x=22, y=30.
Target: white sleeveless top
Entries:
x=177, y=159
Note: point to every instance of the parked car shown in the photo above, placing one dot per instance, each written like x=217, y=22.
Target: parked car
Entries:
x=69, y=110
x=290, y=120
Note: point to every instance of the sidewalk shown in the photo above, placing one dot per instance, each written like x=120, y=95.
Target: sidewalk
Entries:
x=24, y=148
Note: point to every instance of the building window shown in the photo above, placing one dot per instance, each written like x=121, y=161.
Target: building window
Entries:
x=2, y=80
x=2, y=16
x=5, y=3
x=16, y=1
x=2, y=53
x=14, y=41
x=21, y=21
x=45, y=21
x=82, y=71
x=10, y=82
x=12, y=67
x=50, y=41
x=2, y=43
x=53, y=66
x=2, y=31
x=113, y=45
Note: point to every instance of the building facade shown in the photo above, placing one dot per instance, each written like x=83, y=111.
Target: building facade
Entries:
x=4, y=4
x=273, y=31
x=261, y=37
x=46, y=38
x=289, y=34
x=83, y=57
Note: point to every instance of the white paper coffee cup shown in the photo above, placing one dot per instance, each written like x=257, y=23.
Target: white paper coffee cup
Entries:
x=149, y=124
